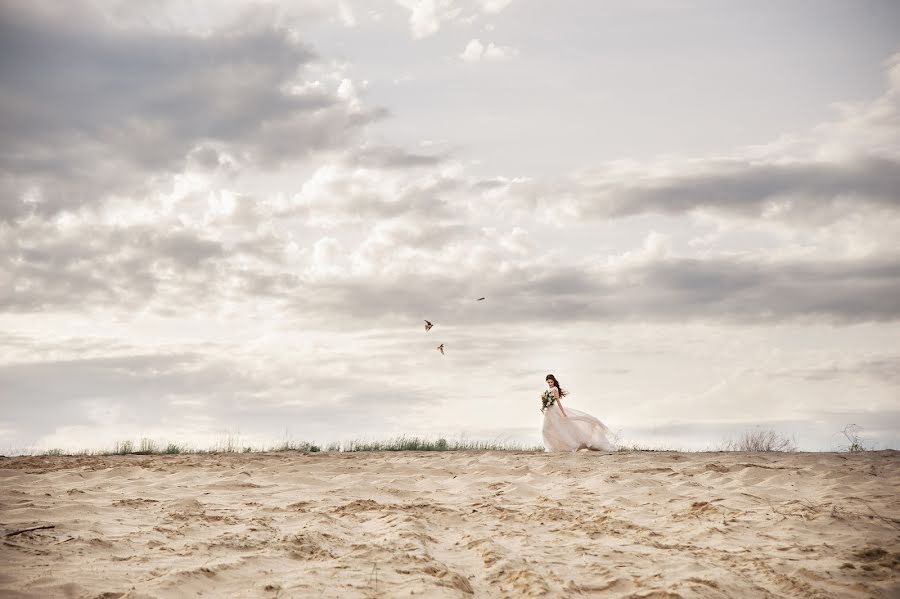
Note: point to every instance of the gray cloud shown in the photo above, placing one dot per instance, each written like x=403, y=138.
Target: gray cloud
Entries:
x=338, y=196
x=885, y=369
x=738, y=290
x=819, y=178
x=129, y=267
x=120, y=267
x=88, y=110
x=746, y=189
x=391, y=157
x=673, y=289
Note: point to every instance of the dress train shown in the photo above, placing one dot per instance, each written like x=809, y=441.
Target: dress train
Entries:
x=577, y=430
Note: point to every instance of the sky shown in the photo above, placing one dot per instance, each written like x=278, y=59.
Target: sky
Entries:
x=228, y=220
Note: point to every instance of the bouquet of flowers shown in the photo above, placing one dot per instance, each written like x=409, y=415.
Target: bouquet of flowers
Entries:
x=547, y=400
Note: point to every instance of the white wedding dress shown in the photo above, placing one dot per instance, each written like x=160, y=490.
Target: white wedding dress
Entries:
x=576, y=430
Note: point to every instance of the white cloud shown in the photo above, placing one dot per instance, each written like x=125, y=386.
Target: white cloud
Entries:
x=518, y=241
x=864, y=127
x=494, y=52
x=475, y=51
x=345, y=13
x=329, y=257
x=426, y=16
x=494, y=6
x=347, y=92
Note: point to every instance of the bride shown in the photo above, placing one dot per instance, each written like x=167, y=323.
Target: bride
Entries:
x=570, y=429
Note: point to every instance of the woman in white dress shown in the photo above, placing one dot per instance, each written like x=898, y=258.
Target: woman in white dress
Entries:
x=569, y=429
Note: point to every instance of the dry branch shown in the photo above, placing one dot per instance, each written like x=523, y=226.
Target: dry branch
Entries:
x=18, y=532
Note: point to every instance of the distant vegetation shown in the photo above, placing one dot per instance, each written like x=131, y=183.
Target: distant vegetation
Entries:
x=231, y=444
x=851, y=432
x=757, y=440
x=760, y=440
x=404, y=443
x=627, y=447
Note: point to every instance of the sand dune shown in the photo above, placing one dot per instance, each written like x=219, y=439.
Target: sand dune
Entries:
x=453, y=524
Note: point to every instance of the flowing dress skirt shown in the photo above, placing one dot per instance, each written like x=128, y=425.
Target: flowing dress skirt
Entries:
x=577, y=430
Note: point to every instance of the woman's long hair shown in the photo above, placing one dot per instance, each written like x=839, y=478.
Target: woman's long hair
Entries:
x=562, y=392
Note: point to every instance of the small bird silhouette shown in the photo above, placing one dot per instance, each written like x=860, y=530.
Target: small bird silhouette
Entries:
x=428, y=326
x=479, y=299
x=440, y=348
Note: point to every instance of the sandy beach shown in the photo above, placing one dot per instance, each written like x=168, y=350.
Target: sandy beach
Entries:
x=452, y=524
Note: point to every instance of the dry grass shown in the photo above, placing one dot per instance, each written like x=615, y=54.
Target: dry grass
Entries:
x=756, y=440
x=760, y=440
x=232, y=444
x=851, y=432
x=404, y=443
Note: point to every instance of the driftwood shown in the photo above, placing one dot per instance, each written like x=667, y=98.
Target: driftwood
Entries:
x=18, y=532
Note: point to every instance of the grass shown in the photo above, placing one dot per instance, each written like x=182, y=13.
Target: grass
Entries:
x=851, y=432
x=173, y=449
x=756, y=440
x=231, y=444
x=641, y=447
x=123, y=448
x=760, y=440
x=290, y=446
x=404, y=443
x=147, y=447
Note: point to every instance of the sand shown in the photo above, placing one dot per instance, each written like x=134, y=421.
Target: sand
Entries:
x=453, y=524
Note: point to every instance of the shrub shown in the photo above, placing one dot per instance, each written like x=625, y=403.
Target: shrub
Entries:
x=851, y=431
x=147, y=447
x=761, y=440
x=123, y=448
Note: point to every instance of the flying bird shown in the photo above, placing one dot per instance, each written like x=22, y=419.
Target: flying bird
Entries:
x=440, y=348
x=428, y=326
x=479, y=299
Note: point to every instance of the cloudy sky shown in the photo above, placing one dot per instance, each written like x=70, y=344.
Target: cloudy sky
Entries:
x=231, y=218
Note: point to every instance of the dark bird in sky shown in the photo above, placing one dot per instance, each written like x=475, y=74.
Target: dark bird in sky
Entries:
x=479, y=299
x=428, y=326
x=440, y=348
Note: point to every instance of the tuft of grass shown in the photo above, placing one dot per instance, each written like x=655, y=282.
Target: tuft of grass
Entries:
x=123, y=448
x=760, y=440
x=288, y=445
x=641, y=447
x=851, y=432
x=147, y=447
x=173, y=449
x=231, y=444
x=55, y=452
